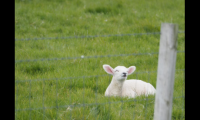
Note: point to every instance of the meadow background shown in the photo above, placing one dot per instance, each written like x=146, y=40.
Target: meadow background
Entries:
x=52, y=81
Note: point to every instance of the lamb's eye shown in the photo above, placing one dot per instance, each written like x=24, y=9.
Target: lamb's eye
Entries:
x=116, y=70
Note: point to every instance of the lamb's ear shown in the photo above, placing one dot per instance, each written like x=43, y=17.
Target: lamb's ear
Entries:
x=108, y=69
x=131, y=70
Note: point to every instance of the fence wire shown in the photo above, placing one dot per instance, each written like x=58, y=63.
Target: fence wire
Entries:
x=79, y=77
x=89, y=36
x=90, y=104
x=86, y=57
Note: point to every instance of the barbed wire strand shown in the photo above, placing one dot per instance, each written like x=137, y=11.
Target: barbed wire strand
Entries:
x=86, y=57
x=88, y=104
x=81, y=77
x=90, y=36
x=69, y=78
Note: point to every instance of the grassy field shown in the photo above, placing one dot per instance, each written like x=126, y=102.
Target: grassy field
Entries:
x=73, y=87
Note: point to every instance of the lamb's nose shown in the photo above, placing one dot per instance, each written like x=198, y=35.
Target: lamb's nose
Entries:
x=124, y=74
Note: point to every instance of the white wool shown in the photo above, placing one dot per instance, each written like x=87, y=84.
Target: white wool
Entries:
x=119, y=86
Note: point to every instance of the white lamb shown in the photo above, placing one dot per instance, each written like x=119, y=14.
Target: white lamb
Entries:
x=119, y=86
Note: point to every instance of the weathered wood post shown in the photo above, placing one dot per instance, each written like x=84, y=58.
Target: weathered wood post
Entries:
x=166, y=72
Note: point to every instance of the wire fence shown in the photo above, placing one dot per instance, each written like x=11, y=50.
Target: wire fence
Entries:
x=78, y=105
x=28, y=83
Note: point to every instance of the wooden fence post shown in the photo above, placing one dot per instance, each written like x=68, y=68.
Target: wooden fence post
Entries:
x=166, y=72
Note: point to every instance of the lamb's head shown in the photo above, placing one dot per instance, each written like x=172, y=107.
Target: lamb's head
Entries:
x=120, y=72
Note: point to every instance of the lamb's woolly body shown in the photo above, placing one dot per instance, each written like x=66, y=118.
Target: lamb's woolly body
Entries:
x=119, y=86
x=140, y=87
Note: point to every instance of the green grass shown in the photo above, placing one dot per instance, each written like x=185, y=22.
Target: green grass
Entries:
x=74, y=88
